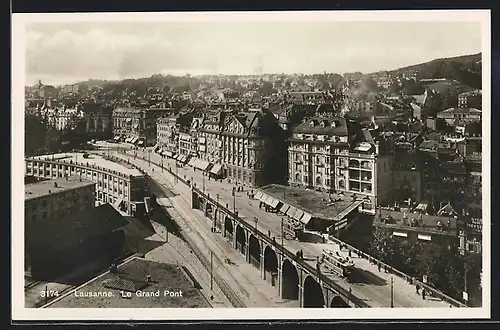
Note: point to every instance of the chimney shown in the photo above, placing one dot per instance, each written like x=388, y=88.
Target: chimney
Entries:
x=148, y=278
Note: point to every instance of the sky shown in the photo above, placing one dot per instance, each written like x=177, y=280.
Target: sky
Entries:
x=68, y=52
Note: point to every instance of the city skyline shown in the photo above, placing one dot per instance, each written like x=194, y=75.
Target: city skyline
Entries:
x=65, y=53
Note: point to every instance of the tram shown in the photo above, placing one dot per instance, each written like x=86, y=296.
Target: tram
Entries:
x=342, y=266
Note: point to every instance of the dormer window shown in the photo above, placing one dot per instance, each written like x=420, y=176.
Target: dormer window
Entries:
x=322, y=124
x=311, y=123
x=333, y=124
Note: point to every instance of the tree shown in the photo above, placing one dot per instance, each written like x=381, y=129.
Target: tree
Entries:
x=35, y=135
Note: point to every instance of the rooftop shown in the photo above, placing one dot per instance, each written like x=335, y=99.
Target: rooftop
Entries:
x=385, y=217
x=92, y=160
x=62, y=232
x=317, y=203
x=43, y=188
x=131, y=277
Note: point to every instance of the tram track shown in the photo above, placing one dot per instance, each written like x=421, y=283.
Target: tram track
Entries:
x=202, y=223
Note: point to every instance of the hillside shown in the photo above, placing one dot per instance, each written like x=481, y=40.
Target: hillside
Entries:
x=465, y=69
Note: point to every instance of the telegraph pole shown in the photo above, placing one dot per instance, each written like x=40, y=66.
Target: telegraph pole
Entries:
x=234, y=200
x=162, y=163
x=211, y=271
x=282, y=234
x=392, y=292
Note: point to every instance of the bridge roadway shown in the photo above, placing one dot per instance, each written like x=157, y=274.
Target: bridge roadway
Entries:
x=371, y=286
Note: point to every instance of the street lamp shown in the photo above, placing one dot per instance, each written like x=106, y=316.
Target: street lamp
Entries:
x=392, y=292
x=234, y=200
x=256, y=220
x=162, y=164
x=203, y=177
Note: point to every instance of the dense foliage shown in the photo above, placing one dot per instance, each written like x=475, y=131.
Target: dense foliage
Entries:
x=43, y=138
x=445, y=269
x=465, y=69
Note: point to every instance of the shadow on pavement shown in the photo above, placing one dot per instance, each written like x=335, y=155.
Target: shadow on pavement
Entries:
x=361, y=276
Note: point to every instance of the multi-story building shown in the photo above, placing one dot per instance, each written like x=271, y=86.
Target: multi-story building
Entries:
x=187, y=143
x=63, y=118
x=253, y=148
x=412, y=75
x=408, y=176
x=210, y=138
x=57, y=198
x=417, y=226
x=382, y=79
x=333, y=154
x=306, y=98
x=46, y=91
x=464, y=115
x=471, y=99
x=137, y=125
x=116, y=183
x=97, y=118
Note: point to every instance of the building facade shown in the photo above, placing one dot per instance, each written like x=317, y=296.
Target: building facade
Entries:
x=122, y=189
x=253, y=148
x=138, y=125
x=471, y=99
x=57, y=198
x=327, y=154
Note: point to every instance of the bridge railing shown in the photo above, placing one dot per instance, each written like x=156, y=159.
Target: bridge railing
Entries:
x=433, y=291
x=358, y=302
x=341, y=291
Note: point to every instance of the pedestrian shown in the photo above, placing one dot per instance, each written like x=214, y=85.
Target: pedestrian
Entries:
x=378, y=267
x=417, y=288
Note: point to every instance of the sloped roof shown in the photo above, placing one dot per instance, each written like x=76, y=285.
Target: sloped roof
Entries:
x=314, y=125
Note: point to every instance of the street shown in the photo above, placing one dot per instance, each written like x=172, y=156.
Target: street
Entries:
x=376, y=292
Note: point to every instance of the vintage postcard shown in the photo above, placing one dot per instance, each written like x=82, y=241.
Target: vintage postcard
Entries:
x=244, y=165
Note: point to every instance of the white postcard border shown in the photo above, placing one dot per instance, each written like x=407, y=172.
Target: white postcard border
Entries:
x=19, y=312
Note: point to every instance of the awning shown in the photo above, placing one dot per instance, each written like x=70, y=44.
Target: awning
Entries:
x=203, y=165
x=395, y=233
x=291, y=211
x=184, y=158
x=192, y=161
x=127, y=139
x=424, y=237
x=298, y=215
x=175, y=156
x=117, y=203
x=263, y=197
x=216, y=169
x=268, y=200
x=167, y=153
x=306, y=218
x=116, y=138
x=141, y=142
x=258, y=195
x=284, y=208
x=275, y=203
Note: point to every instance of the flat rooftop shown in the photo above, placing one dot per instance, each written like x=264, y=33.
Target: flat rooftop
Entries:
x=319, y=204
x=43, y=188
x=169, y=281
x=416, y=222
x=93, y=159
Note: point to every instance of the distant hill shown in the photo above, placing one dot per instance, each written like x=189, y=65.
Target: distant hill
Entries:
x=464, y=69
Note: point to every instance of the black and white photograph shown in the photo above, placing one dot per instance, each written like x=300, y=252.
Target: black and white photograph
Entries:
x=251, y=165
